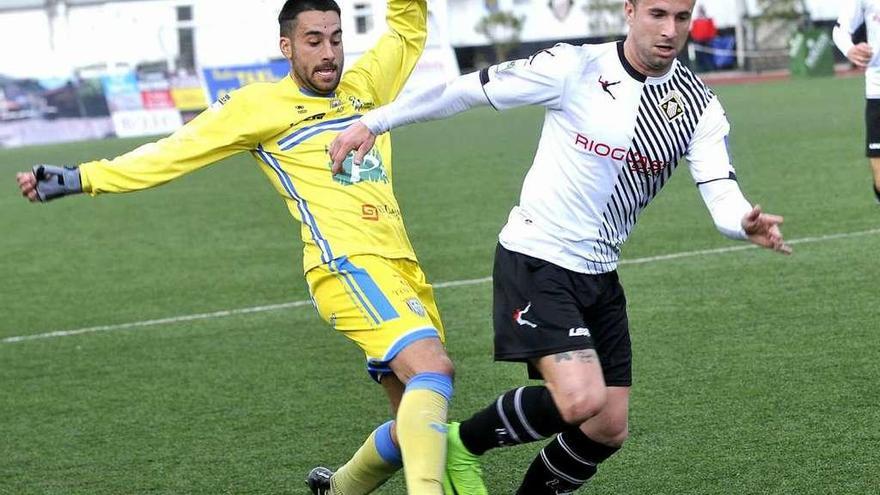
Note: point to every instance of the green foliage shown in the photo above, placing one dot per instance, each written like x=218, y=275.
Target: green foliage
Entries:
x=754, y=373
x=605, y=17
x=502, y=29
x=782, y=9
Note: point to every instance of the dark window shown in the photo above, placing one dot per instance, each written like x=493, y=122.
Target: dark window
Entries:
x=186, y=47
x=184, y=13
x=363, y=18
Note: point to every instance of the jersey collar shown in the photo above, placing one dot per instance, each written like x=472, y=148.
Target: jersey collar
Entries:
x=638, y=76
x=309, y=92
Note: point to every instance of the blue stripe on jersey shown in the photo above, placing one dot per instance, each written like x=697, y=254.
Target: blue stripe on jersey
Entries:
x=304, y=133
x=369, y=287
x=305, y=213
x=386, y=447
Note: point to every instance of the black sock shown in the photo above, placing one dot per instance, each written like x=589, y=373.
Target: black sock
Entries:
x=877, y=192
x=518, y=416
x=564, y=464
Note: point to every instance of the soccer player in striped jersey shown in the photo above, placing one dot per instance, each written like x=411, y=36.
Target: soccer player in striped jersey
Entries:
x=619, y=119
x=854, y=13
x=361, y=270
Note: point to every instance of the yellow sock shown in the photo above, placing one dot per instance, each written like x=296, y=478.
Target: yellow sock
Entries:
x=421, y=429
x=373, y=463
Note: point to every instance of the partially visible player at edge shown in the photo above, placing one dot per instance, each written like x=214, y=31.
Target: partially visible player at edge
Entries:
x=360, y=267
x=854, y=13
x=619, y=118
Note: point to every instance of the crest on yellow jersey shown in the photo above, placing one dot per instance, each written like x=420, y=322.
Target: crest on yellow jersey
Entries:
x=372, y=169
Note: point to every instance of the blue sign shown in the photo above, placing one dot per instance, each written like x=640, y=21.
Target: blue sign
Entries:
x=222, y=80
x=122, y=92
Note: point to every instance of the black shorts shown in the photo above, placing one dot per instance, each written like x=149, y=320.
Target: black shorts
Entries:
x=541, y=309
x=872, y=124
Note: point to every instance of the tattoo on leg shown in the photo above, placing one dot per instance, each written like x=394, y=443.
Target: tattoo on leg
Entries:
x=562, y=356
x=584, y=356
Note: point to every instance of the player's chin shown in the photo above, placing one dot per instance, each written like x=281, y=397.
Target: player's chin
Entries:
x=325, y=83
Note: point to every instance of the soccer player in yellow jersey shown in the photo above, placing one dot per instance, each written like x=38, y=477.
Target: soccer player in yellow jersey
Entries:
x=358, y=262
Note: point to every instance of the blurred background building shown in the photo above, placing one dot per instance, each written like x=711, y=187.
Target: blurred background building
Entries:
x=79, y=69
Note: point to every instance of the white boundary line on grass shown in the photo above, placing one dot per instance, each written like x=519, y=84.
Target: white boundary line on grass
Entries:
x=441, y=285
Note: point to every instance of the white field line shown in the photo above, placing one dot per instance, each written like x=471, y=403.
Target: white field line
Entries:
x=442, y=285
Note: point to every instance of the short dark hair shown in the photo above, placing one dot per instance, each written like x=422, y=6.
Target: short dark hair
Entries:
x=292, y=8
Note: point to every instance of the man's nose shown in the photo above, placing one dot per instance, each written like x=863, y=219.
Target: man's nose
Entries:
x=327, y=52
x=667, y=28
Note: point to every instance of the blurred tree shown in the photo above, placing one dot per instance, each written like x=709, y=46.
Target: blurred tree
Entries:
x=605, y=17
x=502, y=29
x=793, y=10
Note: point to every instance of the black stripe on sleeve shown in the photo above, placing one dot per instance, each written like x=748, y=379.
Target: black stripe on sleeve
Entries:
x=484, y=80
x=484, y=76
x=732, y=177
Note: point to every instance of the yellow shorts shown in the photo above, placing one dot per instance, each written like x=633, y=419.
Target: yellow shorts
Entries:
x=381, y=304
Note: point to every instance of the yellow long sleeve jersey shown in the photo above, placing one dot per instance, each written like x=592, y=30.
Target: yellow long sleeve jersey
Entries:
x=287, y=130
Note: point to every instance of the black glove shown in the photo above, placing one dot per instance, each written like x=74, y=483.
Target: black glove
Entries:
x=55, y=182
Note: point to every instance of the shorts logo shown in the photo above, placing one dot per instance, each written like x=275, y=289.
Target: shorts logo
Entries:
x=416, y=307
x=874, y=146
x=518, y=317
x=579, y=332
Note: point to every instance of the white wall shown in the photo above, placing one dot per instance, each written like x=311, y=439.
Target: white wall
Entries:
x=227, y=32
x=24, y=36
x=541, y=24
x=724, y=12
x=245, y=31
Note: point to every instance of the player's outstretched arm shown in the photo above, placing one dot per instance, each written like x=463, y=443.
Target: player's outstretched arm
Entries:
x=438, y=102
x=47, y=182
x=763, y=229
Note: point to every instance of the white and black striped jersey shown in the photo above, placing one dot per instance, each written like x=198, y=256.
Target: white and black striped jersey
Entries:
x=610, y=141
x=854, y=13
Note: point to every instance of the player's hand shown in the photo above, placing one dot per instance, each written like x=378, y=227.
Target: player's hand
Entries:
x=860, y=54
x=763, y=230
x=27, y=183
x=357, y=137
x=47, y=182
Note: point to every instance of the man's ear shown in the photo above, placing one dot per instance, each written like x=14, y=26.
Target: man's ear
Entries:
x=286, y=46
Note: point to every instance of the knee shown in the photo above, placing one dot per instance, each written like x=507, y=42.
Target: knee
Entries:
x=578, y=407
x=615, y=437
x=443, y=366
x=612, y=432
x=426, y=356
x=439, y=363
